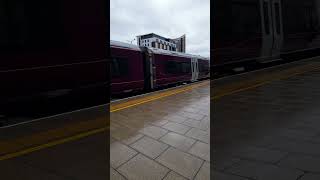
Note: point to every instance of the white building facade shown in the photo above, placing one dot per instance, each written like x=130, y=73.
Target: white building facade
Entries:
x=159, y=42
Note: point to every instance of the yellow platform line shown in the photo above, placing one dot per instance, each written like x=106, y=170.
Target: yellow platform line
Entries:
x=286, y=76
x=128, y=104
x=121, y=106
x=87, y=133
x=50, y=144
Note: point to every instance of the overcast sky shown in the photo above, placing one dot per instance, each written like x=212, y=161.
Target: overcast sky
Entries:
x=168, y=18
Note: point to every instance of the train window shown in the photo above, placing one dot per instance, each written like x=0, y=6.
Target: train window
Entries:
x=171, y=67
x=119, y=67
x=186, y=67
x=277, y=10
x=203, y=68
x=24, y=26
x=266, y=17
x=245, y=19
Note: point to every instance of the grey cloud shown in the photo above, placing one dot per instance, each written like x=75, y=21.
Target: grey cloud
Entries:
x=169, y=18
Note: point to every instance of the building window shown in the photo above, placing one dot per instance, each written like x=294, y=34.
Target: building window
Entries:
x=153, y=44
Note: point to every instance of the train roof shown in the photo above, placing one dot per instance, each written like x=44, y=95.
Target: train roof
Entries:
x=124, y=45
x=174, y=53
x=154, y=50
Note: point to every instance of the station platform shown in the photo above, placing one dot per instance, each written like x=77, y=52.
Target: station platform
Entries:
x=164, y=135
x=145, y=133
x=63, y=147
x=266, y=124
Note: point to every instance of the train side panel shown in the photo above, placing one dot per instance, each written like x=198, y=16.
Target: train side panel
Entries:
x=301, y=28
x=52, y=50
x=171, y=69
x=236, y=31
x=264, y=30
x=126, y=70
x=204, y=69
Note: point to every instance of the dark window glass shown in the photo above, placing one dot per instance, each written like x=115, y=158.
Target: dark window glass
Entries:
x=277, y=10
x=203, y=67
x=266, y=17
x=25, y=26
x=153, y=44
x=119, y=67
x=171, y=67
x=246, y=19
x=186, y=67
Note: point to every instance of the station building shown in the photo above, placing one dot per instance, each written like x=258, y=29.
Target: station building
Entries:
x=160, y=42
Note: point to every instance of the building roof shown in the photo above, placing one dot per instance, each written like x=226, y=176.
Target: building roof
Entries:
x=154, y=35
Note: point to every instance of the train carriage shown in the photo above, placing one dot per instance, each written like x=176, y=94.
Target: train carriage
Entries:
x=126, y=68
x=135, y=68
x=51, y=51
x=260, y=31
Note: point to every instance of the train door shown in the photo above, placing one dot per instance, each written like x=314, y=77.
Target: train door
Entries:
x=277, y=27
x=149, y=69
x=194, y=69
x=272, y=35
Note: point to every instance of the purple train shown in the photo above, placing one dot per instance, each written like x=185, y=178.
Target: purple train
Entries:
x=135, y=68
x=53, y=51
x=261, y=31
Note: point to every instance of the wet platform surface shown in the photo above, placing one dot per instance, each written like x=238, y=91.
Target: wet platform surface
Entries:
x=265, y=126
x=270, y=131
x=163, y=139
x=71, y=146
x=77, y=160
